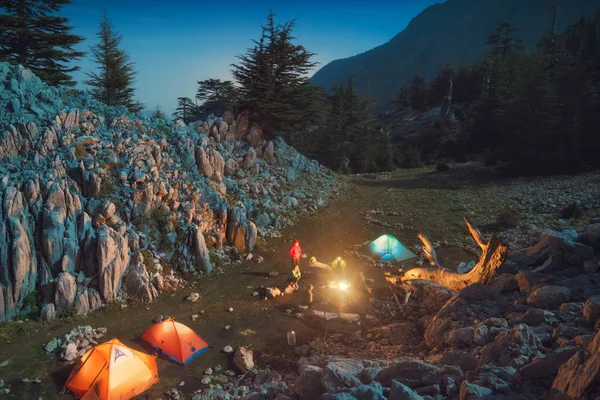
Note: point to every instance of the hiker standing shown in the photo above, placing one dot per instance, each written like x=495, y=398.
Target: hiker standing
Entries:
x=339, y=263
x=296, y=253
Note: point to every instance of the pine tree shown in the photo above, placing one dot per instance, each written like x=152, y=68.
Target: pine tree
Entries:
x=112, y=85
x=417, y=93
x=272, y=78
x=216, y=94
x=402, y=99
x=31, y=36
x=502, y=41
x=467, y=84
x=187, y=110
x=439, y=85
x=158, y=113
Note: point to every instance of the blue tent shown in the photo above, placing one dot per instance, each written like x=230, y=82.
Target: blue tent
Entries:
x=389, y=248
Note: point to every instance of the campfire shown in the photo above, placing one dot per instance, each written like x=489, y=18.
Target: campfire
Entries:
x=342, y=286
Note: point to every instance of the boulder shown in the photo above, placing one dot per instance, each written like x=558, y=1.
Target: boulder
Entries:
x=578, y=375
x=113, y=259
x=471, y=391
x=409, y=371
x=460, y=336
x=591, y=310
x=48, y=313
x=249, y=159
x=243, y=359
x=308, y=385
x=552, y=244
x=462, y=359
x=254, y=136
x=66, y=289
x=549, y=297
x=402, y=392
x=548, y=365
x=341, y=374
x=269, y=153
x=405, y=333
x=199, y=250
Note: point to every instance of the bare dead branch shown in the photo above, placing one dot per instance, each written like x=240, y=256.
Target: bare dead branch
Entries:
x=429, y=251
x=492, y=257
x=476, y=234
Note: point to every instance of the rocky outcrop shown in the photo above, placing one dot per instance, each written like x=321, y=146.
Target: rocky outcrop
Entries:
x=86, y=189
x=199, y=250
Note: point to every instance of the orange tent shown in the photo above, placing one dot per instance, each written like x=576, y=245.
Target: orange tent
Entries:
x=176, y=340
x=112, y=371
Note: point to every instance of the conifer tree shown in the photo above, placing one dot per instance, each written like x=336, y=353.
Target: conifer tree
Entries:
x=216, y=94
x=417, y=93
x=503, y=42
x=439, y=85
x=32, y=36
x=273, y=77
x=186, y=110
x=158, y=113
x=113, y=83
x=467, y=84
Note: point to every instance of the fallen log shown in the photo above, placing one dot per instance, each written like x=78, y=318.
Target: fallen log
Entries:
x=493, y=255
x=313, y=263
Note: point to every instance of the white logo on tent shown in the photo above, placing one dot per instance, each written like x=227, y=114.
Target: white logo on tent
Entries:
x=119, y=353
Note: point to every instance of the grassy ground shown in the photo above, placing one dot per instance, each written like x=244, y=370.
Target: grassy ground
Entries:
x=421, y=200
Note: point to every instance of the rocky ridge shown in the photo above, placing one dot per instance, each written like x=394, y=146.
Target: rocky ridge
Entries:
x=98, y=204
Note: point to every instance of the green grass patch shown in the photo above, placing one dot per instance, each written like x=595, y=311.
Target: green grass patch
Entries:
x=9, y=330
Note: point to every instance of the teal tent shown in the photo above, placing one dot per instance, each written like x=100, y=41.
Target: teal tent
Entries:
x=389, y=248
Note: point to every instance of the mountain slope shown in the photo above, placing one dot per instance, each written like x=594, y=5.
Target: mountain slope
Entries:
x=455, y=30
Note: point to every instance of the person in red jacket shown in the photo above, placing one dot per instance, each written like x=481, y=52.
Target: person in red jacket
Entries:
x=296, y=253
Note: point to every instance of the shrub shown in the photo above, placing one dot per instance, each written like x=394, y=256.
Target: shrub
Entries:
x=107, y=188
x=442, y=167
x=34, y=301
x=573, y=210
x=80, y=151
x=508, y=219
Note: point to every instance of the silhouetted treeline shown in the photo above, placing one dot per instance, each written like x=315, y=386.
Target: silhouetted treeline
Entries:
x=533, y=112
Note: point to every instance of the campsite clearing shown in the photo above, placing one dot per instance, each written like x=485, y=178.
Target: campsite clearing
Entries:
x=432, y=202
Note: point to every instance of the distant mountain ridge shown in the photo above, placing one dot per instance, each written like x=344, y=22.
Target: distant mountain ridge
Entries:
x=456, y=31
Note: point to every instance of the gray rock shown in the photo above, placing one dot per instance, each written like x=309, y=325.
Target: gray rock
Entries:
x=249, y=159
x=252, y=236
x=461, y=336
x=289, y=202
x=48, y=313
x=591, y=310
x=470, y=391
x=341, y=374
x=400, y=391
x=113, y=259
x=548, y=366
x=462, y=359
x=535, y=316
x=549, y=297
x=409, y=371
x=308, y=385
x=199, y=250
x=262, y=220
x=66, y=289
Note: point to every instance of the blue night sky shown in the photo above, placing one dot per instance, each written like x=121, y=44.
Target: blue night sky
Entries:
x=176, y=43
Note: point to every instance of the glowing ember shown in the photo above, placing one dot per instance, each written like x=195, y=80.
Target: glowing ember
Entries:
x=342, y=286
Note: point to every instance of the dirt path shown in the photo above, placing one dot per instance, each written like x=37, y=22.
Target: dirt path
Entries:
x=261, y=324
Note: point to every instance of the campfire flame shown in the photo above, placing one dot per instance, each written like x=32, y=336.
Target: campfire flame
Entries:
x=341, y=285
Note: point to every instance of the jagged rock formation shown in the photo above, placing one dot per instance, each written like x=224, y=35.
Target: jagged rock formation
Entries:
x=93, y=200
